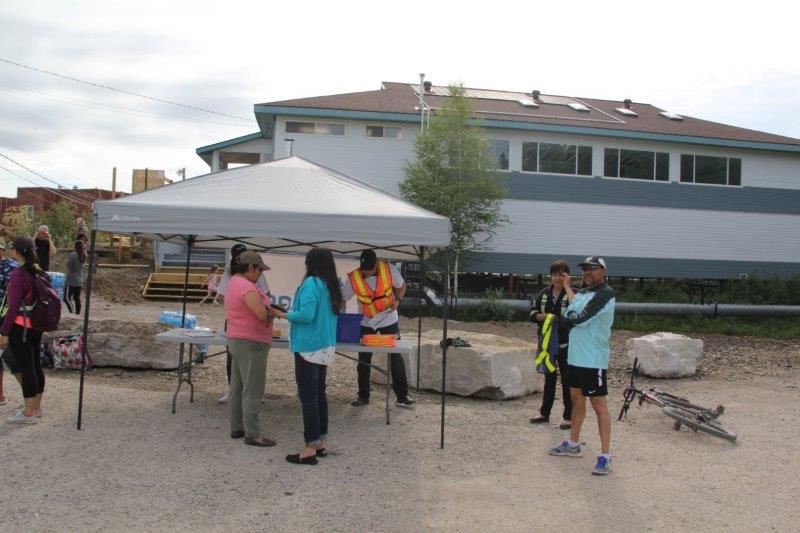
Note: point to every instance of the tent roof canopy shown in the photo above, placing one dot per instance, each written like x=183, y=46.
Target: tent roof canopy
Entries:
x=286, y=205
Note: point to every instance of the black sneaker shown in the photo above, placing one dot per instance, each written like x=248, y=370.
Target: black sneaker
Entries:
x=359, y=402
x=408, y=403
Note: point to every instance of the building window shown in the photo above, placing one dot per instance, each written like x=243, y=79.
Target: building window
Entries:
x=557, y=158
x=499, y=149
x=636, y=164
x=318, y=128
x=385, y=132
x=711, y=170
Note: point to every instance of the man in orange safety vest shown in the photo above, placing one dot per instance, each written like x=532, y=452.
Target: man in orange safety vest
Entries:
x=379, y=289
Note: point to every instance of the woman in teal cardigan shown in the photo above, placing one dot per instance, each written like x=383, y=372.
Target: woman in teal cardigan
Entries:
x=312, y=338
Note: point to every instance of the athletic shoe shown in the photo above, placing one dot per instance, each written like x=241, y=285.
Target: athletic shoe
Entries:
x=358, y=402
x=602, y=467
x=20, y=418
x=566, y=450
x=38, y=413
x=408, y=403
x=223, y=398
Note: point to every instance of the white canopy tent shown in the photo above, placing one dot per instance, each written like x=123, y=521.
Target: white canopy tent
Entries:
x=287, y=205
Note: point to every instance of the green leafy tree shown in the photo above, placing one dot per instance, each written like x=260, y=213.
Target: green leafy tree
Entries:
x=454, y=174
x=15, y=222
x=60, y=219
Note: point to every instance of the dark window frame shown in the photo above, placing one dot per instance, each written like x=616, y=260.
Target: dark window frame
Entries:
x=732, y=179
x=577, y=147
x=657, y=157
x=383, y=131
x=497, y=156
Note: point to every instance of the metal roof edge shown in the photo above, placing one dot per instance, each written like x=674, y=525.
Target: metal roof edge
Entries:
x=230, y=142
x=530, y=126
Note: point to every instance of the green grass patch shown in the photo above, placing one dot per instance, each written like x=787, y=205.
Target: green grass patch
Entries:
x=773, y=328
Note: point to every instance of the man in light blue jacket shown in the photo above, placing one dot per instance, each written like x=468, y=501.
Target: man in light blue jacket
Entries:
x=588, y=319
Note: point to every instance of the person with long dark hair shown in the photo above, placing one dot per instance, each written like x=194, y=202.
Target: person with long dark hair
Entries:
x=16, y=332
x=312, y=338
x=74, y=281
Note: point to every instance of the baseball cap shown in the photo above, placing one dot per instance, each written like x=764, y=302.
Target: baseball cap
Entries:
x=368, y=259
x=593, y=260
x=44, y=228
x=22, y=244
x=2, y=243
x=250, y=257
x=238, y=248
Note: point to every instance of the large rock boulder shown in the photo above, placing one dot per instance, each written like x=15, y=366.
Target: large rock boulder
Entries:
x=665, y=355
x=123, y=343
x=494, y=367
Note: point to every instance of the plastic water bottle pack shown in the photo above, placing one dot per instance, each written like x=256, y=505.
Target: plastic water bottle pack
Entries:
x=173, y=318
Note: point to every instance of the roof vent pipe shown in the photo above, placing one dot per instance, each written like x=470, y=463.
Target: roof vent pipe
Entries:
x=536, y=93
x=427, y=86
x=289, y=147
x=627, y=103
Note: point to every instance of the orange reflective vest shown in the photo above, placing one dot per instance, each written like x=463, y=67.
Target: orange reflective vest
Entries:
x=382, y=298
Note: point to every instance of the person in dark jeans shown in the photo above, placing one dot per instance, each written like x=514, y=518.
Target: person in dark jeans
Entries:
x=45, y=249
x=74, y=281
x=379, y=289
x=312, y=338
x=554, y=299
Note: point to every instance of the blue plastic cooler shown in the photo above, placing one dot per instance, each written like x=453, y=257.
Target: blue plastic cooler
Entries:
x=348, y=328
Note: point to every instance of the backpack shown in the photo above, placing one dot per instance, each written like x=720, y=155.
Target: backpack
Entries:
x=46, y=312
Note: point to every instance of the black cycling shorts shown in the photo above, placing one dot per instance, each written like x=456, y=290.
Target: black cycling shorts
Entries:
x=591, y=381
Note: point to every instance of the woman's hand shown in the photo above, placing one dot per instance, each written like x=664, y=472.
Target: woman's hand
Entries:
x=3, y=342
x=277, y=313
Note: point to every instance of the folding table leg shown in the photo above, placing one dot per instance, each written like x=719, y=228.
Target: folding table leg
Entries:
x=189, y=374
x=388, y=386
x=180, y=378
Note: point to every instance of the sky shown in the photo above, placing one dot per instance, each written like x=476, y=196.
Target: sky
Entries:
x=730, y=62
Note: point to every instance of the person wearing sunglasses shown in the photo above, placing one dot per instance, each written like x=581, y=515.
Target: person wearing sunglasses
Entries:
x=590, y=316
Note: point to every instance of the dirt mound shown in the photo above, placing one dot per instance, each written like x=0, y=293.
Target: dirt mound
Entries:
x=120, y=285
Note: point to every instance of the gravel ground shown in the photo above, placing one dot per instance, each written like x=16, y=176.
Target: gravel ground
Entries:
x=135, y=466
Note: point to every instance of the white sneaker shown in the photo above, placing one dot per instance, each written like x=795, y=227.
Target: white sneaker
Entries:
x=20, y=418
x=223, y=398
x=38, y=413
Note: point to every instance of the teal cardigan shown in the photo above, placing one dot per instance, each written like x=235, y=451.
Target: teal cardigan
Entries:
x=312, y=319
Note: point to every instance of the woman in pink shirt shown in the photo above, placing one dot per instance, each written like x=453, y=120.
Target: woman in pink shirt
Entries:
x=249, y=341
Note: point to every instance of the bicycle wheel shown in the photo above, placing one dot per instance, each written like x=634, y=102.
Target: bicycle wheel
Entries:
x=679, y=402
x=710, y=427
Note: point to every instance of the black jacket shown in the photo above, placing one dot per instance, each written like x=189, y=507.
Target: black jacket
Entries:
x=546, y=303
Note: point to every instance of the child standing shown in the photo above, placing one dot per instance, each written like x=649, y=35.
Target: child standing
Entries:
x=212, y=281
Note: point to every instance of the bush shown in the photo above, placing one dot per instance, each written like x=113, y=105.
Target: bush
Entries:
x=490, y=309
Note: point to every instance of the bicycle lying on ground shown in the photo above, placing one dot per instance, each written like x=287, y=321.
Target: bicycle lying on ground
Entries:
x=680, y=409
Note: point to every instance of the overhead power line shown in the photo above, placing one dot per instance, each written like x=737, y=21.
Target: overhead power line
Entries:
x=123, y=91
x=79, y=102
x=57, y=192
x=77, y=193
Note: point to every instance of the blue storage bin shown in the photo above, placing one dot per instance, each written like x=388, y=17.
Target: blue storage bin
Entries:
x=348, y=328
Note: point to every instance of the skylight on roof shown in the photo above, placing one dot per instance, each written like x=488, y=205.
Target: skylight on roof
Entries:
x=527, y=103
x=579, y=107
x=627, y=112
x=670, y=115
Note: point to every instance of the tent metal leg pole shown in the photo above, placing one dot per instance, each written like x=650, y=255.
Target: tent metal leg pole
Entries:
x=445, y=313
x=86, y=320
x=421, y=300
x=189, y=243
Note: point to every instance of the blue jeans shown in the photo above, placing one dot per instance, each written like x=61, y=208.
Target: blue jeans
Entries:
x=310, y=378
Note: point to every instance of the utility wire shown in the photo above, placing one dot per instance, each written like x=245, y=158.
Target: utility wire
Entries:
x=111, y=108
x=124, y=91
x=57, y=192
x=45, y=177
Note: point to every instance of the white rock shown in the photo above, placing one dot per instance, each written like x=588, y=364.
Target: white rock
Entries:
x=665, y=355
x=494, y=367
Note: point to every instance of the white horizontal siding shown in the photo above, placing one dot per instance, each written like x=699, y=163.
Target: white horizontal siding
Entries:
x=379, y=162
x=586, y=229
